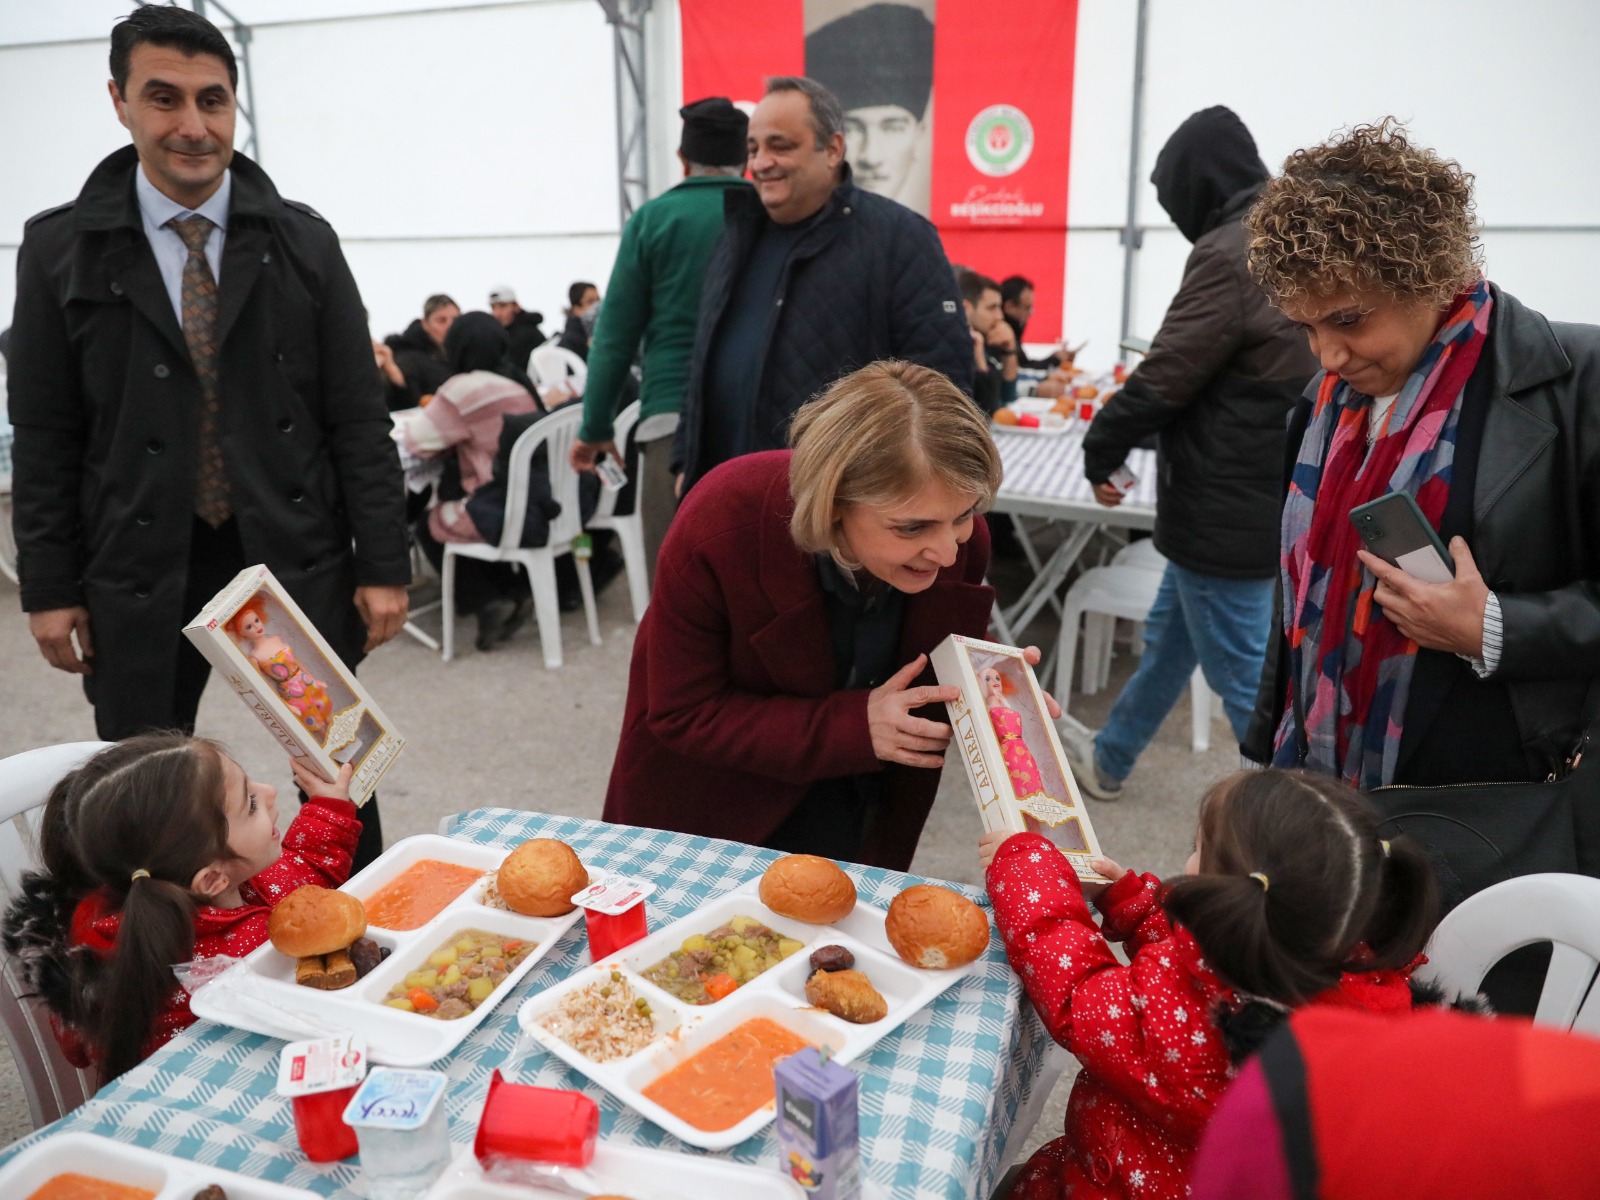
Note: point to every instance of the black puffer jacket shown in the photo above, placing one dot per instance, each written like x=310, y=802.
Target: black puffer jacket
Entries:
x=868, y=281
x=421, y=362
x=1222, y=373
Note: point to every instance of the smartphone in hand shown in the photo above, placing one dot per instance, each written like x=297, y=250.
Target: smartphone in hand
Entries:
x=1393, y=528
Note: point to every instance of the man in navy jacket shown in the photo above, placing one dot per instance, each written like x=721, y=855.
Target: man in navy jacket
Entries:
x=813, y=278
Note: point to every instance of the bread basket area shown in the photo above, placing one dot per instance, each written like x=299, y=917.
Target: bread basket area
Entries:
x=279, y=1007
x=778, y=994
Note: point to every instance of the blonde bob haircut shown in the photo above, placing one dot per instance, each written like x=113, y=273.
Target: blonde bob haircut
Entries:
x=877, y=437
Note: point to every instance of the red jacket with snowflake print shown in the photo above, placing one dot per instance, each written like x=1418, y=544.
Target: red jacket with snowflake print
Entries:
x=318, y=847
x=1153, y=1061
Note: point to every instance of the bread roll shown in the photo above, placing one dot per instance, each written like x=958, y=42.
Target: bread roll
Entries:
x=540, y=877
x=315, y=920
x=935, y=928
x=806, y=888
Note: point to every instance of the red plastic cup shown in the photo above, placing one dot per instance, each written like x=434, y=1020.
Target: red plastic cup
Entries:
x=1086, y=411
x=528, y=1124
x=1028, y=420
x=608, y=934
x=319, y=1124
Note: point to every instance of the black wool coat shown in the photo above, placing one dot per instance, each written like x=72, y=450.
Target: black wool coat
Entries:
x=105, y=403
x=868, y=281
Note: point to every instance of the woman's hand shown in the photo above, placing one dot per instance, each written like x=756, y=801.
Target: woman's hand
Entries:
x=1437, y=616
x=311, y=781
x=1031, y=655
x=897, y=736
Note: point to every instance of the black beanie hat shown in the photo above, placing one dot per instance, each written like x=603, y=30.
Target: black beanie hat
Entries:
x=714, y=133
x=881, y=54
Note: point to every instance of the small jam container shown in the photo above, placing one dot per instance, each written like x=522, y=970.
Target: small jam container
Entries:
x=405, y=1140
x=534, y=1125
x=320, y=1077
x=613, y=913
x=1086, y=410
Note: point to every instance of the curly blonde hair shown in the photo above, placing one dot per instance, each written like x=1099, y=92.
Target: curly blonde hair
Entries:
x=1368, y=211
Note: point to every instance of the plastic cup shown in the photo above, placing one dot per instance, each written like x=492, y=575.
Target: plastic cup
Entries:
x=319, y=1124
x=1086, y=411
x=608, y=933
x=524, y=1124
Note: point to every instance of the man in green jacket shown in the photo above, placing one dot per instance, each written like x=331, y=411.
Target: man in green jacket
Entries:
x=654, y=298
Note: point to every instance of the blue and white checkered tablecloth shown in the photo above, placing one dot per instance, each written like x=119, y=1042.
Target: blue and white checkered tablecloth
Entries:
x=1049, y=469
x=938, y=1096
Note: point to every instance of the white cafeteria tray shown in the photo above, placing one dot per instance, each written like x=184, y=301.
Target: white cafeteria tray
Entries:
x=400, y=1039
x=779, y=994
x=632, y=1171
x=170, y=1178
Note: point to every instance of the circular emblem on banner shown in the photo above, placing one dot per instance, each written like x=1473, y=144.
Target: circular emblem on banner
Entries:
x=999, y=140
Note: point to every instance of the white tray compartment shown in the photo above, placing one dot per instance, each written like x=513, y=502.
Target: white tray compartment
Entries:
x=670, y=1015
x=901, y=986
x=630, y=1170
x=90, y=1154
x=394, y=1038
x=641, y=956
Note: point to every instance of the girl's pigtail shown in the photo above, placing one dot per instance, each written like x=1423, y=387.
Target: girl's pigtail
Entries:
x=1235, y=919
x=157, y=932
x=1407, y=908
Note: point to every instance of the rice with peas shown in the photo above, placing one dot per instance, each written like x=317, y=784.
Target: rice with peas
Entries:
x=603, y=1021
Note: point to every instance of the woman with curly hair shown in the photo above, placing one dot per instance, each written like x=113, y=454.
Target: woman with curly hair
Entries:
x=1436, y=383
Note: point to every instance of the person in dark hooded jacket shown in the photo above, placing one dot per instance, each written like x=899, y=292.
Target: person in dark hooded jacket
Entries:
x=417, y=362
x=466, y=416
x=1216, y=388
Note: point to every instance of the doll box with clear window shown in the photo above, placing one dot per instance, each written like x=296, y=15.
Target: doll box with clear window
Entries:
x=256, y=637
x=1006, y=740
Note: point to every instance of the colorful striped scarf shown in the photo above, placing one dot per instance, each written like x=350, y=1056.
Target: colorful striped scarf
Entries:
x=1345, y=657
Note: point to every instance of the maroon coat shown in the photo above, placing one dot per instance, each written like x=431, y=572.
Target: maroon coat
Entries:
x=732, y=713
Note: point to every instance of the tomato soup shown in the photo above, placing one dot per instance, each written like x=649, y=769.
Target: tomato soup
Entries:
x=723, y=1084
x=419, y=893
x=87, y=1187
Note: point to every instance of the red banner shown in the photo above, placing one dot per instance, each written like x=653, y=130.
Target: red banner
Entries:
x=991, y=172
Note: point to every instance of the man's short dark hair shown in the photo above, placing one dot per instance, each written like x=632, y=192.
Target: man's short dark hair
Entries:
x=1012, y=287
x=827, y=118
x=974, y=285
x=174, y=28
x=435, y=302
x=576, y=291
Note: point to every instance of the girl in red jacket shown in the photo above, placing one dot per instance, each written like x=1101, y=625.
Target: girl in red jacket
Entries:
x=1289, y=898
x=156, y=851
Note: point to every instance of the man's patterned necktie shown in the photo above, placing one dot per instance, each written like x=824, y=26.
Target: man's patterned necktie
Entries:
x=200, y=332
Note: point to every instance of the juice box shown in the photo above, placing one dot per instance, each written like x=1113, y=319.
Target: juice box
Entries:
x=819, y=1129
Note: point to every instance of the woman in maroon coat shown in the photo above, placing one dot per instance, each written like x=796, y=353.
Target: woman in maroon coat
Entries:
x=774, y=693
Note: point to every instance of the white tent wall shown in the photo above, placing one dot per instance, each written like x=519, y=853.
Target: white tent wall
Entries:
x=460, y=147
x=452, y=150
x=1506, y=90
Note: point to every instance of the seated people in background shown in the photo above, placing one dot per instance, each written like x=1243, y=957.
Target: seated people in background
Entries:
x=1016, y=300
x=773, y=696
x=1289, y=899
x=583, y=309
x=157, y=851
x=416, y=364
x=994, y=345
x=525, y=329
x=466, y=416
x=1222, y=375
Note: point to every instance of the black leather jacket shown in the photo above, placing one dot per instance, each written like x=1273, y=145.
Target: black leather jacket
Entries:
x=1535, y=531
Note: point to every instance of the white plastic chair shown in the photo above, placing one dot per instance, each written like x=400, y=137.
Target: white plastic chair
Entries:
x=555, y=432
x=550, y=365
x=1097, y=598
x=628, y=526
x=54, y=1087
x=1561, y=909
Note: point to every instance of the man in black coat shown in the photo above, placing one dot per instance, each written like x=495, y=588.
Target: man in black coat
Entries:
x=160, y=450
x=813, y=278
x=1216, y=388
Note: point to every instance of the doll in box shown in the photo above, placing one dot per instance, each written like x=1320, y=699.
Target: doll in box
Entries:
x=306, y=696
x=1021, y=767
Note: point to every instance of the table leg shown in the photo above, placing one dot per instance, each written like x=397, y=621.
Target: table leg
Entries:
x=1043, y=588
